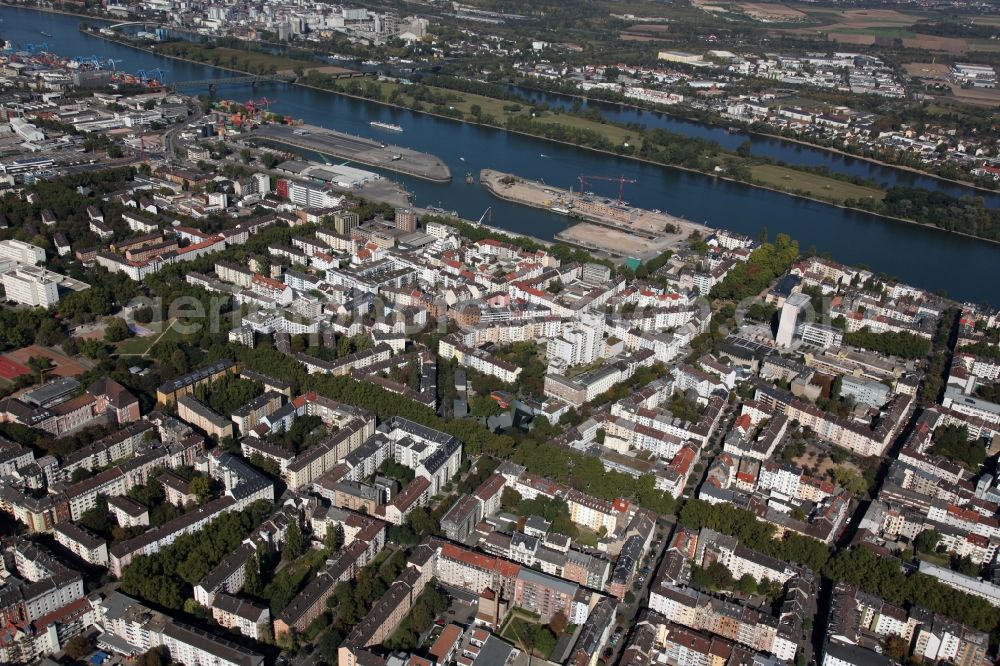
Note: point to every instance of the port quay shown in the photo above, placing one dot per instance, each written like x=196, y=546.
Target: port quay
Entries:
x=601, y=224
x=356, y=149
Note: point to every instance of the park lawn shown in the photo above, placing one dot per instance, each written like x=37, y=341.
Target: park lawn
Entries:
x=172, y=333
x=811, y=184
x=613, y=133
x=935, y=558
x=140, y=346
x=238, y=58
x=464, y=102
x=586, y=537
x=135, y=346
x=518, y=625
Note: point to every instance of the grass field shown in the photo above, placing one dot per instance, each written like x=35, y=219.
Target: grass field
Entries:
x=979, y=96
x=587, y=537
x=927, y=70
x=517, y=626
x=237, y=58
x=140, y=346
x=777, y=177
x=896, y=33
x=814, y=185
x=464, y=102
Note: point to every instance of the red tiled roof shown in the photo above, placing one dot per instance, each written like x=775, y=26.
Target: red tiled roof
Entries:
x=484, y=562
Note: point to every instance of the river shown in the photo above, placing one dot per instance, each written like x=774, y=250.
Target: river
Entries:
x=790, y=152
x=922, y=256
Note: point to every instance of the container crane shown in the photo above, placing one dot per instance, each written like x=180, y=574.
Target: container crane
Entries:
x=255, y=106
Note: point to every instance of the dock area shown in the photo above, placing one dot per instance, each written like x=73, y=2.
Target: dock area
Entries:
x=356, y=149
x=599, y=223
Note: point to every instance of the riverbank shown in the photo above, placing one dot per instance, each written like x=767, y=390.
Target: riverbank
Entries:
x=862, y=210
x=745, y=128
x=469, y=121
x=62, y=12
x=152, y=51
x=835, y=182
x=872, y=160
x=909, y=254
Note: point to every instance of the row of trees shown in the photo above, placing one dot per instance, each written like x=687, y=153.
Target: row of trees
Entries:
x=167, y=577
x=982, y=349
x=554, y=510
x=716, y=577
x=936, y=373
x=765, y=264
x=952, y=442
x=967, y=215
x=430, y=604
x=884, y=577
x=902, y=344
x=754, y=534
x=858, y=566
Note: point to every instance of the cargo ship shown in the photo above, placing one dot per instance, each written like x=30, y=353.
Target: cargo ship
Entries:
x=386, y=126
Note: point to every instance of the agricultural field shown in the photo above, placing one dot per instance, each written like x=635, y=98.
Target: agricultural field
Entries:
x=927, y=70
x=978, y=96
x=954, y=45
x=862, y=27
x=772, y=12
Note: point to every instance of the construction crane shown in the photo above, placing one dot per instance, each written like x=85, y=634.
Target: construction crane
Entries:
x=620, y=179
x=487, y=215
x=142, y=146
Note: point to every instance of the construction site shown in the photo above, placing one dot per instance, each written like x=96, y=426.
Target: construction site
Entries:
x=607, y=225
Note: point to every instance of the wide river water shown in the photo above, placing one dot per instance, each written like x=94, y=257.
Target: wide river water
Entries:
x=966, y=268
